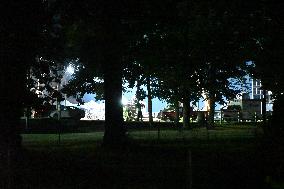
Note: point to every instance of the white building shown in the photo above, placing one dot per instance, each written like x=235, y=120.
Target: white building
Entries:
x=257, y=93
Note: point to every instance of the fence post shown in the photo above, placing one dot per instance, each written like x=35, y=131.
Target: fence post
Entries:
x=221, y=117
x=255, y=117
x=238, y=116
x=26, y=120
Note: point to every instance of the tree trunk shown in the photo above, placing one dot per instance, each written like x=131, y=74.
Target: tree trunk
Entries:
x=114, y=129
x=138, y=105
x=186, y=112
x=18, y=38
x=18, y=42
x=211, y=110
x=177, y=112
x=11, y=86
x=149, y=100
x=115, y=132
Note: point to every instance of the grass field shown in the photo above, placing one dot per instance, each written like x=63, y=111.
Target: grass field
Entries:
x=148, y=134
x=226, y=157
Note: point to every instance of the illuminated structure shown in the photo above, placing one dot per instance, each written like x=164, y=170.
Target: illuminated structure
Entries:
x=257, y=93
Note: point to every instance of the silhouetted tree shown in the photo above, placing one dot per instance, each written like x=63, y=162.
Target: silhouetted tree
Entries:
x=20, y=30
x=223, y=35
x=99, y=33
x=267, y=49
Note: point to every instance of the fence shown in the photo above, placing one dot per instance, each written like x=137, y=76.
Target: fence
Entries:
x=234, y=116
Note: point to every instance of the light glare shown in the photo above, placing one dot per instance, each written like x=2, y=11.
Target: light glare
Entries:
x=70, y=69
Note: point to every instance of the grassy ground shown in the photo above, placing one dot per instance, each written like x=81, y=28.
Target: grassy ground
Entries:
x=227, y=157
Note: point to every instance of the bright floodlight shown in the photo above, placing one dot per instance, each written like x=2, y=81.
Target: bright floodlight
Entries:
x=70, y=69
x=124, y=101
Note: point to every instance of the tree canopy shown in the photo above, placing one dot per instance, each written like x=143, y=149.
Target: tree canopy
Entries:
x=182, y=48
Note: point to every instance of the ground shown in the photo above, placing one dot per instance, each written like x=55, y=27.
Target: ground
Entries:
x=226, y=157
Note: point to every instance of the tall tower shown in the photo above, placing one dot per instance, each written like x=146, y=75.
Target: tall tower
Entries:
x=256, y=92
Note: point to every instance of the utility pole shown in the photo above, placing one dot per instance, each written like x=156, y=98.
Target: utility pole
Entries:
x=263, y=107
x=58, y=108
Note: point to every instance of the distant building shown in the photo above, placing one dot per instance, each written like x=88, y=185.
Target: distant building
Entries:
x=257, y=93
x=243, y=109
x=253, y=94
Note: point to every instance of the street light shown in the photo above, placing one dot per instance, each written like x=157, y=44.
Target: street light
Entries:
x=70, y=69
x=68, y=72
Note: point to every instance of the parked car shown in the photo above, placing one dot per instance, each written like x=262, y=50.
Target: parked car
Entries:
x=169, y=114
x=68, y=112
x=42, y=111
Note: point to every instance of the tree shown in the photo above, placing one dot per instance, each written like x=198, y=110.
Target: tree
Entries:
x=166, y=50
x=221, y=30
x=134, y=77
x=21, y=25
x=267, y=47
x=197, y=37
x=143, y=64
x=90, y=29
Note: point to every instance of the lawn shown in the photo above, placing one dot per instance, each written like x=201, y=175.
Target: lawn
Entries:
x=226, y=157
